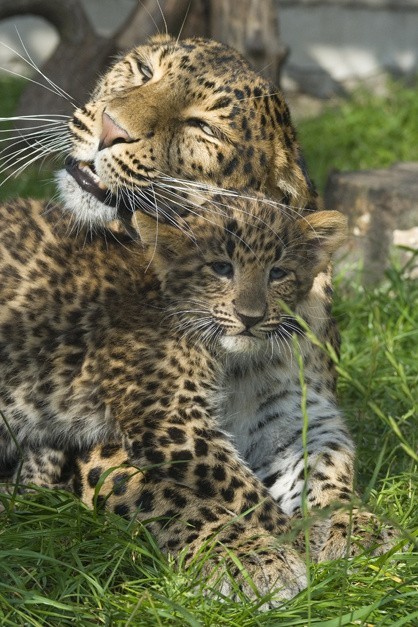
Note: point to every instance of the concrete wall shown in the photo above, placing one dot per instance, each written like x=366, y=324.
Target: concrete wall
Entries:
x=336, y=43
x=333, y=43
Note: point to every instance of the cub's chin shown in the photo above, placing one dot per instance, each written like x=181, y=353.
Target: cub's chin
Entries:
x=244, y=344
x=86, y=208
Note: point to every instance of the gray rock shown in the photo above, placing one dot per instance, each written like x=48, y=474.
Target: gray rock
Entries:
x=379, y=204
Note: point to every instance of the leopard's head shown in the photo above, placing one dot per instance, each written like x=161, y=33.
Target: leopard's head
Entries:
x=230, y=275
x=172, y=119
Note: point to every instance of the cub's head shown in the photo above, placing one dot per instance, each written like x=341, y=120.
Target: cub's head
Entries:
x=226, y=271
x=172, y=119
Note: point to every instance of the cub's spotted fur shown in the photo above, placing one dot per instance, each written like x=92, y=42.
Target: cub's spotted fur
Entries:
x=172, y=356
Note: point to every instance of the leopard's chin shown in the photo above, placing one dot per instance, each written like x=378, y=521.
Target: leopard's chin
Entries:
x=86, y=207
x=94, y=204
x=85, y=176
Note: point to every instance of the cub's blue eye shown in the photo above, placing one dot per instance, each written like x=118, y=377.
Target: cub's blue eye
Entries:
x=223, y=268
x=277, y=273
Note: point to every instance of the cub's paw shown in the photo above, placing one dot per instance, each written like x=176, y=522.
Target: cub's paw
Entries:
x=255, y=569
x=351, y=533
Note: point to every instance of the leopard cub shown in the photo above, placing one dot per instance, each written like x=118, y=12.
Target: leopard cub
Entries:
x=113, y=358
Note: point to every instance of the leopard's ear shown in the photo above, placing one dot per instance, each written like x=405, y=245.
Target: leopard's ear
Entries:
x=162, y=38
x=289, y=171
x=324, y=232
x=162, y=239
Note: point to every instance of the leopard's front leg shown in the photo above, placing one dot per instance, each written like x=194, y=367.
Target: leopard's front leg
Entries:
x=190, y=484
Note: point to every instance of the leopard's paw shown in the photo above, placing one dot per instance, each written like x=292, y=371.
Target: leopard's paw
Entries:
x=258, y=569
x=351, y=533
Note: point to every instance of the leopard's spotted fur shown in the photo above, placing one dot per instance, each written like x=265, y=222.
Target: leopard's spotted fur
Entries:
x=172, y=118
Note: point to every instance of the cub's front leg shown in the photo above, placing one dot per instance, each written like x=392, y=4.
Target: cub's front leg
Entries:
x=312, y=473
x=297, y=442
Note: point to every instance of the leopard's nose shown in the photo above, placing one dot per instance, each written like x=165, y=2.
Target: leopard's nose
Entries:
x=112, y=133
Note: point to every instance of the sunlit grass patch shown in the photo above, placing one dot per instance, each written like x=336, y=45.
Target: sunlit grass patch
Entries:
x=364, y=131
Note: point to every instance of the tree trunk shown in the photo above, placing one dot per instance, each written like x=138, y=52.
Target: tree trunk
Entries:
x=151, y=18
x=252, y=27
x=197, y=23
x=381, y=205
x=75, y=63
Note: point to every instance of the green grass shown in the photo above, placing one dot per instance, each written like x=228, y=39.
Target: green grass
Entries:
x=378, y=371
x=61, y=564
x=366, y=131
x=36, y=181
x=11, y=90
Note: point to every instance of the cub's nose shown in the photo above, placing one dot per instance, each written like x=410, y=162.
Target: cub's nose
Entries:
x=249, y=321
x=112, y=133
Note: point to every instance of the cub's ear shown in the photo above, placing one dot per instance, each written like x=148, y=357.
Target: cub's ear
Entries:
x=324, y=232
x=162, y=239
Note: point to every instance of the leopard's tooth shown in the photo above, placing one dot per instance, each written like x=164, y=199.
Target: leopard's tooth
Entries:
x=87, y=169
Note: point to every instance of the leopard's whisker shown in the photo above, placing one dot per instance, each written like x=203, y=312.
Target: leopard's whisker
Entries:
x=200, y=215
x=38, y=153
x=30, y=80
x=286, y=209
x=29, y=61
x=49, y=143
x=187, y=311
x=35, y=130
x=47, y=135
x=38, y=117
x=192, y=323
x=54, y=144
x=204, y=187
x=160, y=203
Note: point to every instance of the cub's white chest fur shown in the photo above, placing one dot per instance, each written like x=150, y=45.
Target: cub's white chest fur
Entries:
x=261, y=400
x=263, y=411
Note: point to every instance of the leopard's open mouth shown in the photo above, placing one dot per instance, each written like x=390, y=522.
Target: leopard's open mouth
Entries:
x=86, y=177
